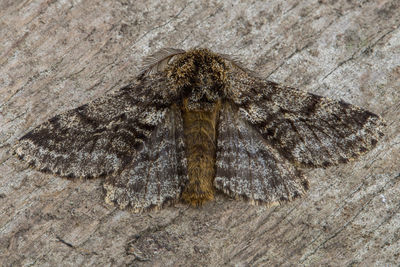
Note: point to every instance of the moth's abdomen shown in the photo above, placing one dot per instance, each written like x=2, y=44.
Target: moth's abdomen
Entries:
x=200, y=140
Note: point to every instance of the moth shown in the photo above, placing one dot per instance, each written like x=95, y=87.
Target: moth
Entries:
x=196, y=122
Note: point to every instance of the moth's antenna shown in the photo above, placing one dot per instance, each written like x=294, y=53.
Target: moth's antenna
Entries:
x=159, y=60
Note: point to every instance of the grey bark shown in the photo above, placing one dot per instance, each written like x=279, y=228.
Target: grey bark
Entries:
x=57, y=55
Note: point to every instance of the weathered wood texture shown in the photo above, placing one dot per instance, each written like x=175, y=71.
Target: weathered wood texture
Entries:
x=56, y=55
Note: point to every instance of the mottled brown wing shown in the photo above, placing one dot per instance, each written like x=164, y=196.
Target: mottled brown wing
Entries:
x=100, y=137
x=247, y=166
x=309, y=130
x=157, y=174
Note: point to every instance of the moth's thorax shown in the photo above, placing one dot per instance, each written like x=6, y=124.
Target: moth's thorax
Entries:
x=201, y=77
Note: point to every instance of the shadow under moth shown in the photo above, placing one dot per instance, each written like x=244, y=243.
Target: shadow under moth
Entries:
x=195, y=122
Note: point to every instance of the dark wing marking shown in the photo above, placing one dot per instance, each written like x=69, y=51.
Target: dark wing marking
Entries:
x=307, y=129
x=247, y=166
x=157, y=173
x=100, y=137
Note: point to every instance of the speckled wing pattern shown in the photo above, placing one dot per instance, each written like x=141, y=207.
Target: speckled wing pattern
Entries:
x=308, y=130
x=133, y=136
x=98, y=138
x=157, y=174
x=249, y=167
x=269, y=131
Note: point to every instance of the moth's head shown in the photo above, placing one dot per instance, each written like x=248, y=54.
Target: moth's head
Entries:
x=200, y=75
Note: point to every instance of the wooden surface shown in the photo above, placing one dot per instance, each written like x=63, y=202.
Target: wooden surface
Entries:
x=56, y=55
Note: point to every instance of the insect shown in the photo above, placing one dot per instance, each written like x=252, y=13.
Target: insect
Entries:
x=196, y=122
